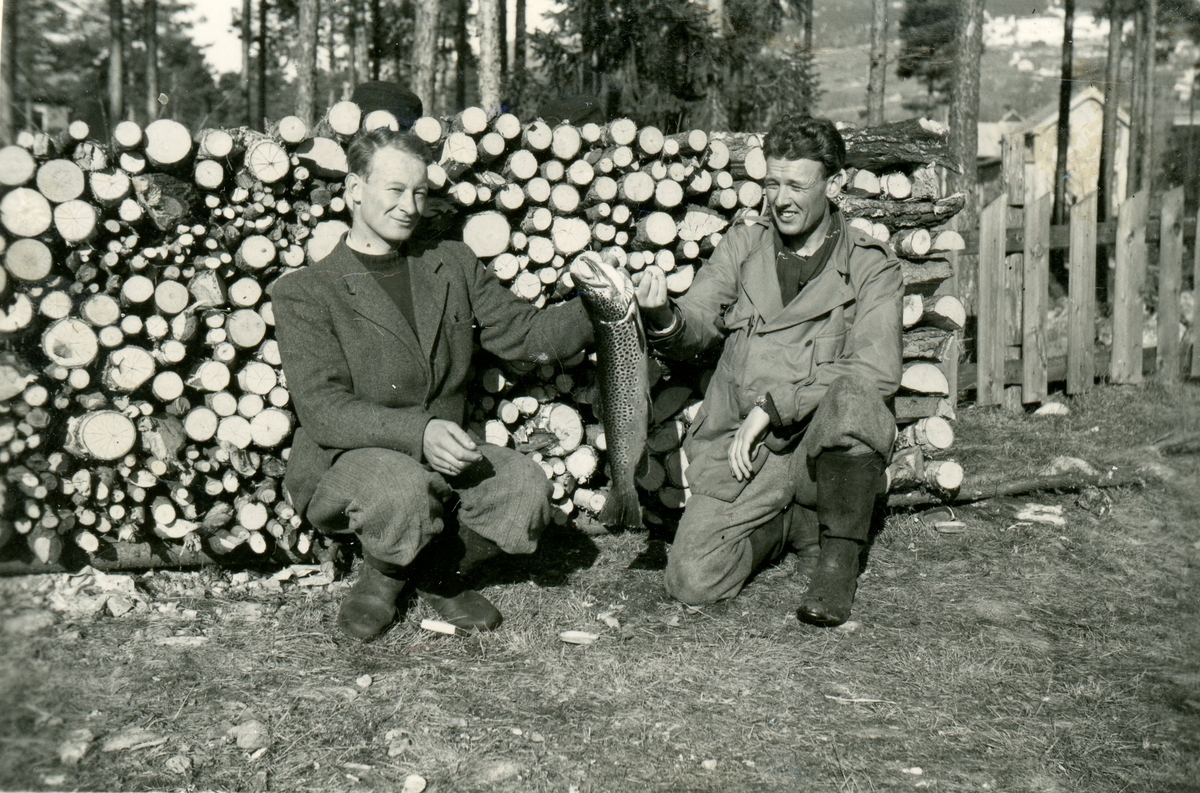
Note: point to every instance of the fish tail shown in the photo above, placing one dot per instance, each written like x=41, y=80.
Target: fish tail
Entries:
x=622, y=508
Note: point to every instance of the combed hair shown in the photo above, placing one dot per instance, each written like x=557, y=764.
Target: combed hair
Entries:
x=802, y=137
x=362, y=148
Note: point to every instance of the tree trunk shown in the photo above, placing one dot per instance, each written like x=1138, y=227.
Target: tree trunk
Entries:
x=489, y=55
x=258, y=121
x=1064, y=114
x=1137, y=95
x=964, y=130
x=247, y=34
x=1108, y=143
x=502, y=24
x=808, y=46
x=374, y=29
x=150, y=39
x=462, y=54
x=8, y=74
x=424, y=54
x=518, y=71
x=116, y=61
x=878, y=74
x=306, y=66
x=1148, y=69
x=360, y=21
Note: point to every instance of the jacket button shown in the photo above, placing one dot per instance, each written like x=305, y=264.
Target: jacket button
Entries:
x=808, y=343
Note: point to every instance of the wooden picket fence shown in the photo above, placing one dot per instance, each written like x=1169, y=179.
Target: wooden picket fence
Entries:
x=1014, y=244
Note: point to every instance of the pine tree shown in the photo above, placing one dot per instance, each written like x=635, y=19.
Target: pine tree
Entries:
x=927, y=43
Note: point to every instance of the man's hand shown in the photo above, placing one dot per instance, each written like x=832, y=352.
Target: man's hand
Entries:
x=651, y=286
x=745, y=441
x=448, y=449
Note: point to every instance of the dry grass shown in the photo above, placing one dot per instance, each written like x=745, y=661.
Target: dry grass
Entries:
x=1010, y=657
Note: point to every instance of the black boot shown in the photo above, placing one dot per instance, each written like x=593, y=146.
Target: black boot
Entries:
x=769, y=541
x=370, y=607
x=846, y=489
x=804, y=537
x=441, y=582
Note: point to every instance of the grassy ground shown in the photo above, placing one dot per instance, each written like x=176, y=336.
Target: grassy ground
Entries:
x=1012, y=656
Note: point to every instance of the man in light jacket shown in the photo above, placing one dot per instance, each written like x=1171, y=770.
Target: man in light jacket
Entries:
x=377, y=341
x=790, y=445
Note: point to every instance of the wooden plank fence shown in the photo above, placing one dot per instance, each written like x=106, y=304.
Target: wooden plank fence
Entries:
x=1014, y=244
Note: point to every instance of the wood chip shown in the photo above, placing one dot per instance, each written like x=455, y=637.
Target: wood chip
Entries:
x=578, y=637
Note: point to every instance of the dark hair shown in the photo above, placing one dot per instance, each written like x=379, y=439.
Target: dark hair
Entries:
x=362, y=148
x=802, y=137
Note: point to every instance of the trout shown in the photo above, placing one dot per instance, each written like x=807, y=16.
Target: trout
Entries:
x=622, y=375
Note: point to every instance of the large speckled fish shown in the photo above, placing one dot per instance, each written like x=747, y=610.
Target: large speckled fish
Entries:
x=623, y=377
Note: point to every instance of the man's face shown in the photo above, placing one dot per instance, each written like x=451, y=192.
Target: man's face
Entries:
x=389, y=203
x=798, y=192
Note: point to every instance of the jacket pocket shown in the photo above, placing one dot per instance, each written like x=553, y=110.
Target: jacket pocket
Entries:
x=827, y=349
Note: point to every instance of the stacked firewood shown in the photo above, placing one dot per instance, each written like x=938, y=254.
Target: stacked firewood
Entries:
x=141, y=392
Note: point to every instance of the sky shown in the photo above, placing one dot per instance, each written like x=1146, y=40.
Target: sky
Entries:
x=222, y=45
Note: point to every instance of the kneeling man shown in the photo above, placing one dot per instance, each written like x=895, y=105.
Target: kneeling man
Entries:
x=790, y=444
x=377, y=341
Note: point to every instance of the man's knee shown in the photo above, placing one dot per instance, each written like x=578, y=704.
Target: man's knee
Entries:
x=691, y=584
x=852, y=417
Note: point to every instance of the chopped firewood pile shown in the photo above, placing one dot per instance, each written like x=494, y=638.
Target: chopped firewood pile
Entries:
x=143, y=406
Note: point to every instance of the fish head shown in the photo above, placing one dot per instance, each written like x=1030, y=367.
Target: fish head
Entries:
x=605, y=287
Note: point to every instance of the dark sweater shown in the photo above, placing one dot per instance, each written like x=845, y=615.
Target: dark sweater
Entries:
x=390, y=271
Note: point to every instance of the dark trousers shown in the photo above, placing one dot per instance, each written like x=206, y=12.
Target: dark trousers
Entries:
x=395, y=504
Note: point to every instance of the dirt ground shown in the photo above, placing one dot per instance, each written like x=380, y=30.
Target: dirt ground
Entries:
x=1013, y=655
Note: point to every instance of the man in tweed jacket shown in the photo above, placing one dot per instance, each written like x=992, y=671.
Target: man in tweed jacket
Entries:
x=377, y=341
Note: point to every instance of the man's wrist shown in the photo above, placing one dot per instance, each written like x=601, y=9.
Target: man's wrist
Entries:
x=768, y=406
x=664, y=323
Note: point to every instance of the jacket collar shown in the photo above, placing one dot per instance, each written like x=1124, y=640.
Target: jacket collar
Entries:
x=368, y=298
x=819, y=296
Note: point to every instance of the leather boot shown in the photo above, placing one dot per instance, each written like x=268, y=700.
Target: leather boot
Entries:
x=804, y=537
x=769, y=541
x=370, y=607
x=442, y=585
x=846, y=489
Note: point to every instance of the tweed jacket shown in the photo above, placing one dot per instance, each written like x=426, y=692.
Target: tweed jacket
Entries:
x=359, y=376
x=846, y=320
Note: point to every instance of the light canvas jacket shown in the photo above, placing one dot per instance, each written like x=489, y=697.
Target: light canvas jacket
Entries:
x=846, y=320
x=359, y=376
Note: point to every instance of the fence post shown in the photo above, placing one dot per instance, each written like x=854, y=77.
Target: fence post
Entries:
x=1081, y=301
x=990, y=335
x=1195, y=372
x=1012, y=163
x=1170, y=284
x=1035, y=295
x=1128, y=306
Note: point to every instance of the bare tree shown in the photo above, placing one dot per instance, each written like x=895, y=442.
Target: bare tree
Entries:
x=116, y=61
x=260, y=99
x=247, y=66
x=374, y=29
x=462, y=54
x=878, y=74
x=1135, y=103
x=489, y=54
x=150, y=39
x=502, y=23
x=1064, y=113
x=519, y=45
x=1148, y=68
x=360, y=38
x=8, y=74
x=306, y=63
x=1107, y=187
x=424, y=51
x=964, y=128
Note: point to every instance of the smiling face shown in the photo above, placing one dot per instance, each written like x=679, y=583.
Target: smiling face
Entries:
x=388, y=203
x=799, y=192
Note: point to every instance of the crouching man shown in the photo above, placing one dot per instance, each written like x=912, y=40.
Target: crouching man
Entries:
x=789, y=447
x=377, y=341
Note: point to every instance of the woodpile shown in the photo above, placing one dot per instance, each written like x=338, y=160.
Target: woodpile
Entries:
x=142, y=397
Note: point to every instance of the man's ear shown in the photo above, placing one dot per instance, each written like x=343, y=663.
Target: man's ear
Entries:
x=354, y=187
x=834, y=186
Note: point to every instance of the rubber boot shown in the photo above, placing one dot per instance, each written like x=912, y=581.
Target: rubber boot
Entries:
x=441, y=582
x=846, y=489
x=804, y=537
x=769, y=541
x=370, y=607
